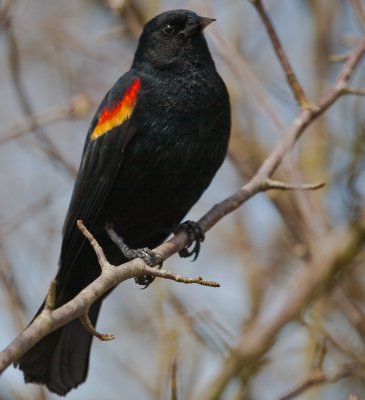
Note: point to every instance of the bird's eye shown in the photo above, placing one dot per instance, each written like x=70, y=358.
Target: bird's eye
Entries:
x=168, y=29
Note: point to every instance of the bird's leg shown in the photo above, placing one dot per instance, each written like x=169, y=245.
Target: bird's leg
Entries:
x=195, y=237
x=151, y=258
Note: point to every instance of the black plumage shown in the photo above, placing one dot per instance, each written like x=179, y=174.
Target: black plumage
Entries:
x=142, y=175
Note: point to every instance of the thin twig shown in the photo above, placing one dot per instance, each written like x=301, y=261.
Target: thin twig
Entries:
x=319, y=377
x=359, y=11
x=51, y=297
x=79, y=107
x=270, y=184
x=339, y=58
x=5, y=12
x=44, y=142
x=103, y=262
x=104, y=337
x=11, y=290
x=174, y=380
x=352, y=311
x=293, y=82
x=353, y=91
x=338, y=343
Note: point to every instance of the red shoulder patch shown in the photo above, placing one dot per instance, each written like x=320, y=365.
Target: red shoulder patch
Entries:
x=116, y=115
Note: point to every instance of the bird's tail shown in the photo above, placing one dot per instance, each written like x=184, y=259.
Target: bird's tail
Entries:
x=60, y=360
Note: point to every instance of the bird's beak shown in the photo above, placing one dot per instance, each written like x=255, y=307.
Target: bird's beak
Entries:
x=196, y=27
x=203, y=22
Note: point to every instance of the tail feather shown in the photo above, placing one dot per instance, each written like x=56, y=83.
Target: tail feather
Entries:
x=60, y=360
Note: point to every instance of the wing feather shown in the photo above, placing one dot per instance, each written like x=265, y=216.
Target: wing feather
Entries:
x=101, y=160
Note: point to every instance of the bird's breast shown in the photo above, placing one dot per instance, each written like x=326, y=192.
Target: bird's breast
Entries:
x=179, y=143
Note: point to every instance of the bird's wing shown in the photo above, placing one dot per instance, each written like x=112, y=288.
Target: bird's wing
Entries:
x=110, y=132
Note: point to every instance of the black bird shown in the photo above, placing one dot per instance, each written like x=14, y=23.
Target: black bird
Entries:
x=153, y=147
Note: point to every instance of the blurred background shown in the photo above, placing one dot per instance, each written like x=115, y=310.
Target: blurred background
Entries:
x=57, y=60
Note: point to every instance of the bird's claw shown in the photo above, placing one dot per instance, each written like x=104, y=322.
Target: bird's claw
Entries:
x=151, y=258
x=195, y=237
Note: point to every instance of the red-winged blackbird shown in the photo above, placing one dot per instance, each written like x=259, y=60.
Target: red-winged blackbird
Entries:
x=153, y=147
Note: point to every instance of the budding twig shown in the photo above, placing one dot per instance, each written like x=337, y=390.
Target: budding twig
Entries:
x=161, y=273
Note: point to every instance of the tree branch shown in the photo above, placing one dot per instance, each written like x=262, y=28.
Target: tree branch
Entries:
x=51, y=319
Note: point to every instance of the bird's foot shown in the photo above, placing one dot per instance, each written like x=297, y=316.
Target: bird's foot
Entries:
x=151, y=258
x=195, y=237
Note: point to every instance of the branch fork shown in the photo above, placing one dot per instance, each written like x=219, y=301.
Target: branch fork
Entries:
x=143, y=270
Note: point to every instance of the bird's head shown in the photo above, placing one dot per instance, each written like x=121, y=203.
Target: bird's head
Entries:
x=173, y=37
